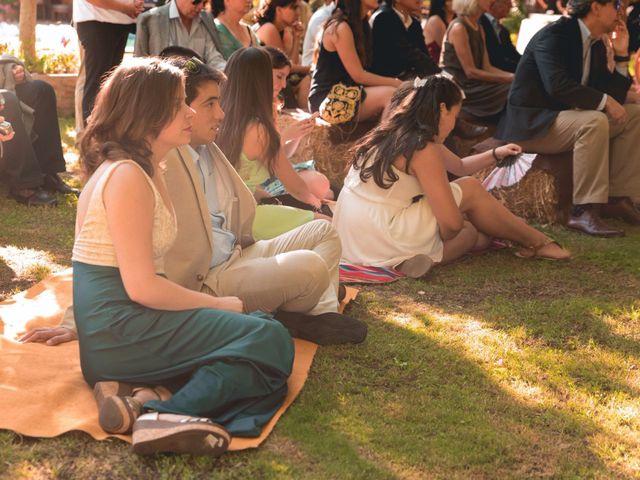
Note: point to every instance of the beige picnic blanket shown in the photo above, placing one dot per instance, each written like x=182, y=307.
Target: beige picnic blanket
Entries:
x=42, y=391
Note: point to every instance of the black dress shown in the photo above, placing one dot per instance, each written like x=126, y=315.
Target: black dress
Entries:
x=482, y=98
x=329, y=71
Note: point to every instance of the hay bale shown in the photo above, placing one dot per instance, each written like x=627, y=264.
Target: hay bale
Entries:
x=535, y=197
x=332, y=159
x=544, y=193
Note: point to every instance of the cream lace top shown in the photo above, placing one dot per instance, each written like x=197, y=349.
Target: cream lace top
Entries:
x=93, y=243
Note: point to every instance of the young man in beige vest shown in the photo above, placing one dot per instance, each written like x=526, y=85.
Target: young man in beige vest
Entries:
x=295, y=274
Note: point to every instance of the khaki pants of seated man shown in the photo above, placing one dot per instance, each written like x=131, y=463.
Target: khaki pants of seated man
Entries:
x=296, y=271
x=606, y=159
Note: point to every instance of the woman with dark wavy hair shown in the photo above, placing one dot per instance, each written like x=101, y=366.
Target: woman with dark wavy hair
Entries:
x=397, y=207
x=344, y=54
x=250, y=139
x=143, y=337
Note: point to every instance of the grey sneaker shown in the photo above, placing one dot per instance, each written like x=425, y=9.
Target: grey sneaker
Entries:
x=167, y=432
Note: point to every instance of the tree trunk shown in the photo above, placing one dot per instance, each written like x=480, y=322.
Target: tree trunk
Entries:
x=28, y=13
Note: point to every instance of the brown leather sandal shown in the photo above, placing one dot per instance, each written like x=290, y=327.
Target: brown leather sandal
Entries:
x=532, y=251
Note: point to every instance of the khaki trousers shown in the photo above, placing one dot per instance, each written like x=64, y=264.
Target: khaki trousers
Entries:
x=296, y=271
x=606, y=159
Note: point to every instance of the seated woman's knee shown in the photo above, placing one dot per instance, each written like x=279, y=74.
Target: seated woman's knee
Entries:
x=470, y=186
x=317, y=183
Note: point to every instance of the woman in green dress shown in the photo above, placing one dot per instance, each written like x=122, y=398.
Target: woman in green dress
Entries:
x=233, y=32
x=249, y=138
x=227, y=371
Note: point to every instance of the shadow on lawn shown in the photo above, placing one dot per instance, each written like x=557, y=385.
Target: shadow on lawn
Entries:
x=402, y=405
x=39, y=228
x=569, y=309
x=563, y=305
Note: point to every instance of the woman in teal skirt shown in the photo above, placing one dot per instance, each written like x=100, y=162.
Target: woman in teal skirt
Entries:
x=182, y=369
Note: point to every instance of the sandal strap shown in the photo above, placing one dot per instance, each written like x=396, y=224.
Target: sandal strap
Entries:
x=548, y=241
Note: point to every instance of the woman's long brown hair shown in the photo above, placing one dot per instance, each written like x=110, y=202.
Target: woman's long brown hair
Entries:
x=411, y=122
x=247, y=96
x=349, y=11
x=135, y=102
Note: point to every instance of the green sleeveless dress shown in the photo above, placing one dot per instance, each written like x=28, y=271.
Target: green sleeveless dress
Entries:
x=270, y=220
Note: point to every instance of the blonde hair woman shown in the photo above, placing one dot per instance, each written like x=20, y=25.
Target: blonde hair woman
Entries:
x=465, y=57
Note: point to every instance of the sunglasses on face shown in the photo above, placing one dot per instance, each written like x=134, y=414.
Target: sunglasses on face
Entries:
x=617, y=4
x=197, y=2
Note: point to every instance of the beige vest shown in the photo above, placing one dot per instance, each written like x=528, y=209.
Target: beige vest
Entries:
x=187, y=262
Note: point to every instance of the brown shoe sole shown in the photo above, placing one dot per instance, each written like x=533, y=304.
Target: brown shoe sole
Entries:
x=116, y=410
x=118, y=414
x=156, y=436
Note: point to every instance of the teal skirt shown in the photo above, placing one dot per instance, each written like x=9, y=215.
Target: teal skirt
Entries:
x=229, y=367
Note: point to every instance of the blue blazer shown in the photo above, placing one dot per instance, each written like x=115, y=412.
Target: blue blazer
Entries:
x=547, y=81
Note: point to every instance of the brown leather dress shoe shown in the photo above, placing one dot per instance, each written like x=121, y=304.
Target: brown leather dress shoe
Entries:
x=624, y=210
x=589, y=222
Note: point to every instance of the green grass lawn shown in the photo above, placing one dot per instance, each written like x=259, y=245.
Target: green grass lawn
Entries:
x=494, y=367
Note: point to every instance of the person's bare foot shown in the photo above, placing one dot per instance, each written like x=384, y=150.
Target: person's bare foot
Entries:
x=549, y=249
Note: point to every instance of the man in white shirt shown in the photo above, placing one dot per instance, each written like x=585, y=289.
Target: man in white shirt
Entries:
x=315, y=24
x=180, y=23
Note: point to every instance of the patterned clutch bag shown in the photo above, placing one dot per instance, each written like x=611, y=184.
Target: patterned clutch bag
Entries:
x=341, y=104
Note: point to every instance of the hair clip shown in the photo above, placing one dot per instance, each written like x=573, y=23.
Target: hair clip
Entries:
x=419, y=82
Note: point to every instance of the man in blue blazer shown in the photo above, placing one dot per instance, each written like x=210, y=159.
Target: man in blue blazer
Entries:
x=566, y=97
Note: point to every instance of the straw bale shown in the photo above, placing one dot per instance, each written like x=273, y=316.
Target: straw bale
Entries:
x=535, y=197
x=544, y=193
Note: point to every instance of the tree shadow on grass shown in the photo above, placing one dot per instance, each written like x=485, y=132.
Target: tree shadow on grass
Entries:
x=405, y=405
x=408, y=403
x=563, y=306
x=567, y=310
